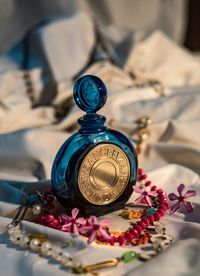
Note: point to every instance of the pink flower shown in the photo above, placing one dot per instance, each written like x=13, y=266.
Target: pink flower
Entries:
x=72, y=223
x=145, y=195
x=182, y=199
x=95, y=228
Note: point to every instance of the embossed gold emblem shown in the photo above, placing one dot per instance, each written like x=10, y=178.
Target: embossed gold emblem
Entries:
x=104, y=174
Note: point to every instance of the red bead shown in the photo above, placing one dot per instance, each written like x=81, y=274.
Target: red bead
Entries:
x=163, y=206
x=150, y=218
x=128, y=236
x=138, y=228
x=146, y=221
x=153, y=188
x=161, y=212
x=50, y=218
x=142, y=224
x=52, y=225
x=112, y=241
x=121, y=240
x=43, y=220
x=140, y=171
x=55, y=222
x=134, y=232
x=162, y=201
x=148, y=183
x=163, y=196
x=102, y=239
x=157, y=216
x=142, y=177
x=160, y=191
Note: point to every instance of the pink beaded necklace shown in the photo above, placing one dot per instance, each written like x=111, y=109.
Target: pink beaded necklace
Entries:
x=123, y=238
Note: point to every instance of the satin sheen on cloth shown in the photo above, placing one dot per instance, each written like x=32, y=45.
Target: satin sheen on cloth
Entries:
x=30, y=138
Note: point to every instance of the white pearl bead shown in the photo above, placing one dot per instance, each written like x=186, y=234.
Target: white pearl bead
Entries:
x=37, y=209
x=66, y=254
x=15, y=239
x=56, y=255
x=35, y=244
x=46, y=248
x=65, y=259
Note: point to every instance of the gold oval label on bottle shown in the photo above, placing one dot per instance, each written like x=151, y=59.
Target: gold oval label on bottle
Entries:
x=104, y=174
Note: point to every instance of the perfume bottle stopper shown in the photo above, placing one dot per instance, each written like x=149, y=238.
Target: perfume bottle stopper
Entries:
x=90, y=93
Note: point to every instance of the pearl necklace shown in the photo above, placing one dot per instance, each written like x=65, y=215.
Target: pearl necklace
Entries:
x=39, y=243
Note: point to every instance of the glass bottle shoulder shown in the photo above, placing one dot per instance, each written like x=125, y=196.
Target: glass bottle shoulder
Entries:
x=80, y=143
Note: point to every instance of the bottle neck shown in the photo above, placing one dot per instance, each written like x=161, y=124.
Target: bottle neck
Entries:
x=91, y=123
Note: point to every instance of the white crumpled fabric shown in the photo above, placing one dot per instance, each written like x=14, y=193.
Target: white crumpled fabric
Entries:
x=171, y=64
x=30, y=138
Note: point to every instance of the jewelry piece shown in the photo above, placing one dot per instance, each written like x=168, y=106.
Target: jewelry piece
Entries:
x=136, y=235
x=100, y=231
x=145, y=82
x=29, y=85
x=139, y=134
x=39, y=243
x=132, y=214
x=127, y=257
x=139, y=234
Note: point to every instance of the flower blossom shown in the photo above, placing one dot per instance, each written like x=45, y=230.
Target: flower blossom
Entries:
x=145, y=195
x=182, y=199
x=72, y=223
x=95, y=228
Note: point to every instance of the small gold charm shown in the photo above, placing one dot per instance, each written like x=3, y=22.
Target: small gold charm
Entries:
x=110, y=263
x=142, y=133
x=132, y=214
x=115, y=233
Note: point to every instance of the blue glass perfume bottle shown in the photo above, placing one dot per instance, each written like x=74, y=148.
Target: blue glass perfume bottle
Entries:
x=95, y=168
